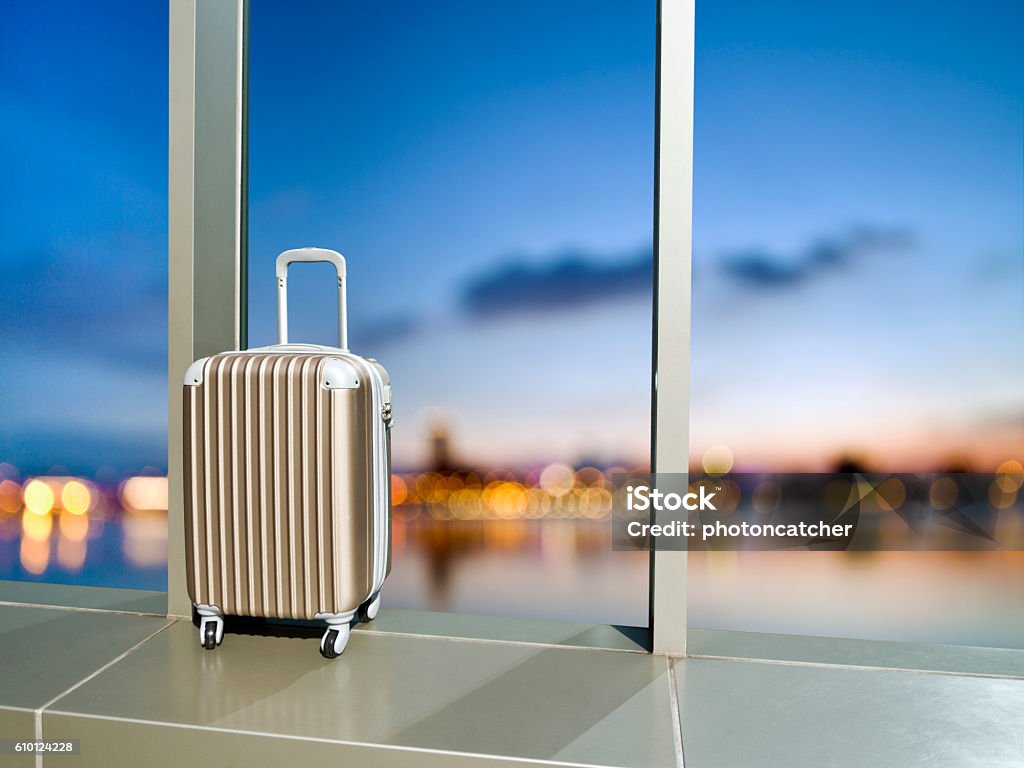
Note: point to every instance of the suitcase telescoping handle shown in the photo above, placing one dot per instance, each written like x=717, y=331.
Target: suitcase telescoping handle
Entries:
x=309, y=254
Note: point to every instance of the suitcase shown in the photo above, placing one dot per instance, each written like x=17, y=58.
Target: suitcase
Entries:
x=288, y=479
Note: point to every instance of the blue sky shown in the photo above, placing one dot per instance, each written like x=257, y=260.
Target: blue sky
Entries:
x=83, y=212
x=487, y=169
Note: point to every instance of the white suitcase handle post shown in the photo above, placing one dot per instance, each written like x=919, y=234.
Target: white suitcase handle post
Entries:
x=310, y=254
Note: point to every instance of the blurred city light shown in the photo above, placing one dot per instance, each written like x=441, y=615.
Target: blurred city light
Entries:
x=75, y=497
x=999, y=498
x=39, y=497
x=74, y=526
x=543, y=517
x=718, y=460
x=557, y=479
x=1010, y=476
x=35, y=555
x=399, y=491
x=943, y=493
x=10, y=497
x=891, y=494
x=36, y=527
x=144, y=493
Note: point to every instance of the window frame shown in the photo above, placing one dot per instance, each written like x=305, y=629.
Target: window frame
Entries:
x=208, y=144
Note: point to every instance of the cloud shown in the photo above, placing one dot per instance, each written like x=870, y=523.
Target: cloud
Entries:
x=562, y=281
x=760, y=268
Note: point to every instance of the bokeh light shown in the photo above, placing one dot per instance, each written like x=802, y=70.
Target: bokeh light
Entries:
x=35, y=555
x=36, y=527
x=73, y=525
x=890, y=494
x=999, y=498
x=590, y=477
x=943, y=493
x=10, y=497
x=399, y=490
x=718, y=460
x=144, y=493
x=76, y=497
x=557, y=479
x=1010, y=476
x=38, y=497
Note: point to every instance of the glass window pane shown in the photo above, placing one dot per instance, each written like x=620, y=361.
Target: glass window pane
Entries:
x=859, y=292
x=487, y=169
x=83, y=300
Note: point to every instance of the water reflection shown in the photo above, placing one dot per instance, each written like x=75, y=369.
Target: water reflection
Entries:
x=76, y=530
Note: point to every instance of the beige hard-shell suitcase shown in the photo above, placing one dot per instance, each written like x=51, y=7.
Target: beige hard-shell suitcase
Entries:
x=288, y=479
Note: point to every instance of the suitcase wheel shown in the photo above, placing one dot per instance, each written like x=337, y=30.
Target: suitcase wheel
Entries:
x=210, y=637
x=368, y=611
x=211, y=631
x=334, y=641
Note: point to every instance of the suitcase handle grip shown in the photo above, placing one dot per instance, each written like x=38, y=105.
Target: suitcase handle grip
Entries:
x=310, y=254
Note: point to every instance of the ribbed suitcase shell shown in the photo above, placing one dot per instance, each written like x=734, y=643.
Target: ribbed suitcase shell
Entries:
x=283, y=486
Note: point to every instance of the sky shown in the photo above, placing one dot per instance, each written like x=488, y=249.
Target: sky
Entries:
x=488, y=168
x=83, y=217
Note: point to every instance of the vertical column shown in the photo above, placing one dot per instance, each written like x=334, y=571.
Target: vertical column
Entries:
x=673, y=255
x=206, y=215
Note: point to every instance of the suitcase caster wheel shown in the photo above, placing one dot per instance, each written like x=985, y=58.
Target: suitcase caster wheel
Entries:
x=211, y=632
x=210, y=636
x=333, y=642
x=368, y=611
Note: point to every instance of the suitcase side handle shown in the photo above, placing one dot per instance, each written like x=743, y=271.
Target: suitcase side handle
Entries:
x=310, y=254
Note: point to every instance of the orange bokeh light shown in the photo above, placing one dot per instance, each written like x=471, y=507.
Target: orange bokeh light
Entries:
x=10, y=497
x=74, y=527
x=36, y=527
x=35, y=555
x=399, y=490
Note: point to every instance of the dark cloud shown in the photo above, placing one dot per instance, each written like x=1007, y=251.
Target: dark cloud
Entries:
x=569, y=279
x=763, y=269
x=759, y=268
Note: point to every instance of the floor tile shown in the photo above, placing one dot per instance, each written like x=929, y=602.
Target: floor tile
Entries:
x=17, y=724
x=75, y=596
x=47, y=650
x=583, y=706
x=106, y=743
x=547, y=632
x=761, y=715
x=869, y=653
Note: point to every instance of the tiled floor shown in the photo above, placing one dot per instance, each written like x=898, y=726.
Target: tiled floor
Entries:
x=138, y=690
x=749, y=715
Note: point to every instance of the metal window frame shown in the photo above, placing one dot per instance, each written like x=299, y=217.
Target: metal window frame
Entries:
x=207, y=250
x=673, y=256
x=206, y=221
